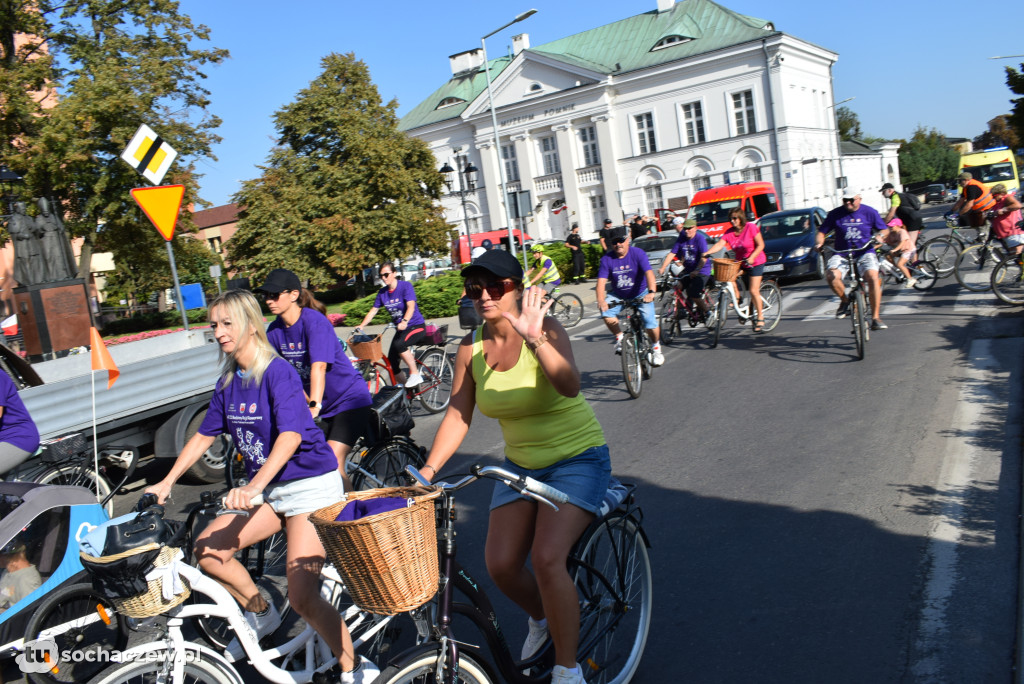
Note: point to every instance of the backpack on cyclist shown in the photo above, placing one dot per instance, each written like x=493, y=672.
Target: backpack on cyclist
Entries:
x=910, y=200
x=394, y=416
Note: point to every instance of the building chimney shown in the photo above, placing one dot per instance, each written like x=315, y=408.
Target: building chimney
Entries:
x=520, y=43
x=665, y=5
x=465, y=61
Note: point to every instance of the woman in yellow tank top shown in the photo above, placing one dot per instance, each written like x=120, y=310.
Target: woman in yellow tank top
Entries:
x=519, y=368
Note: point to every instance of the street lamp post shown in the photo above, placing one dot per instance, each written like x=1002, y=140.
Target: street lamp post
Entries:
x=494, y=125
x=839, y=141
x=467, y=182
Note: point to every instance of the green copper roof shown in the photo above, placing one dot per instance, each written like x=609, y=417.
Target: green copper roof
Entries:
x=615, y=48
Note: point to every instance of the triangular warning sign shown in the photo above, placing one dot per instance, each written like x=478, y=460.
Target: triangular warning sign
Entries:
x=161, y=205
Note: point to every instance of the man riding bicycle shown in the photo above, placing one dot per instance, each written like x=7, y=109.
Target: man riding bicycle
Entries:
x=631, y=276
x=689, y=248
x=975, y=200
x=854, y=226
x=544, y=272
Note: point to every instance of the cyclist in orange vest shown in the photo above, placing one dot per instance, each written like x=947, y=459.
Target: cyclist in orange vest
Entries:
x=975, y=200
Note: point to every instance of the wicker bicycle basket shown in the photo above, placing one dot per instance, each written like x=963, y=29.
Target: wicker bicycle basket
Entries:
x=370, y=351
x=151, y=602
x=388, y=561
x=726, y=270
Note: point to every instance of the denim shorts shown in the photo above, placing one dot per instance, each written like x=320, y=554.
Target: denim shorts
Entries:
x=584, y=477
x=868, y=261
x=305, y=495
x=1011, y=241
x=646, y=310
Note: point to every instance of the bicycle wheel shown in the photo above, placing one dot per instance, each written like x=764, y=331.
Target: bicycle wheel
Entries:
x=860, y=328
x=80, y=621
x=421, y=668
x=438, y=374
x=383, y=465
x=1008, y=280
x=771, y=304
x=615, y=618
x=925, y=274
x=80, y=475
x=567, y=309
x=645, y=348
x=668, y=320
x=975, y=264
x=631, y=371
x=198, y=670
x=723, y=306
x=942, y=252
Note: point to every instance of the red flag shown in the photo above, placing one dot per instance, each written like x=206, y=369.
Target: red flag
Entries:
x=560, y=209
x=101, y=359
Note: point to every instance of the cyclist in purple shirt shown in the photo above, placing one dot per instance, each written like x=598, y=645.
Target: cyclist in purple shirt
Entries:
x=399, y=298
x=19, y=437
x=303, y=336
x=854, y=226
x=631, y=276
x=689, y=248
x=259, y=401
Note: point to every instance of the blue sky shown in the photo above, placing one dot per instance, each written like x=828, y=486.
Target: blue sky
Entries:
x=903, y=62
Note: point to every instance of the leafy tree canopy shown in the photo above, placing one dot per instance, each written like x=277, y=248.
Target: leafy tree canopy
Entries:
x=927, y=157
x=849, y=124
x=343, y=189
x=1015, y=120
x=77, y=78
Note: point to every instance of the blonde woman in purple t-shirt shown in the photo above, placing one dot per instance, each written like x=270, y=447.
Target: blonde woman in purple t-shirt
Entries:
x=259, y=401
x=746, y=242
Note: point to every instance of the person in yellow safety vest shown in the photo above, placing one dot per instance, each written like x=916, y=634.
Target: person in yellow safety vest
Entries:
x=974, y=201
x=544, y=272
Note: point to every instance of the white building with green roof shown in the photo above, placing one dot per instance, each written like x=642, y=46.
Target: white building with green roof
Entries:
x=641, y=113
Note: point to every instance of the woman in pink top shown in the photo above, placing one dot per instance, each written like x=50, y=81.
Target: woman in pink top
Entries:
x=747, y=244
x=1007, y=216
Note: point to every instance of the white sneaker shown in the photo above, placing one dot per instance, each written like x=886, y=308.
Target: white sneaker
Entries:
x=618, y=346
x=657, y=358
x=414, y=379
x=912, y=282
x=537, y=637
x=562, y=675
x=262, y=625
x=364, y=673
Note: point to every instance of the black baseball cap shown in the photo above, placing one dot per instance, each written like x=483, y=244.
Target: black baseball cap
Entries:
x=887, y=186
x=496, y=261
x=280, y=280
x=607, y=221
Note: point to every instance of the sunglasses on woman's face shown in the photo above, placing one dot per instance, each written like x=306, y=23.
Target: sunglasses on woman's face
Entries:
x=495, y=290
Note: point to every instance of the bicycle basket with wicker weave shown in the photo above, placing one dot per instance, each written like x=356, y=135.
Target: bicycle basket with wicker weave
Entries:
x=119, y=576
x=389, y=560
x=725, y=270
x=366, y=347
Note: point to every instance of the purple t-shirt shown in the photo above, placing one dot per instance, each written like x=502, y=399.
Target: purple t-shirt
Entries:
x=395, y=302
x=16, y=426
x=853, y=229
x=626, y=275
x=312, y=339
x=689, y=251
x=256, y=414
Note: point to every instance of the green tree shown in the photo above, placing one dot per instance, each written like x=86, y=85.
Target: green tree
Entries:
x=927, y=157
x=343, y=189
x=1000, y=133
x=150, y=271
x=77, y=79
x=849, y=124
x=1015, y=81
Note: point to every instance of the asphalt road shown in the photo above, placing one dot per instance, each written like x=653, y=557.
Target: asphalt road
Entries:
x=812, y=517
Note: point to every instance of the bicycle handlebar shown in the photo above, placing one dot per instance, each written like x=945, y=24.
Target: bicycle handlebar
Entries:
x=522, y=484
x=845, y=252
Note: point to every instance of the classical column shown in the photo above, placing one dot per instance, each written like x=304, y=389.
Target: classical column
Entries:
x=492, y=180
x=568, y=157
x=521, y=143
x=608, y=152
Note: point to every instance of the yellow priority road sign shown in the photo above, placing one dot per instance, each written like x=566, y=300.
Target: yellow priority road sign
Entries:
x=148, y=154
x=161, y=205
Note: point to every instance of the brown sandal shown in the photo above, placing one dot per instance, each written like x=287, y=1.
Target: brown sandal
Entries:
x=759, y=325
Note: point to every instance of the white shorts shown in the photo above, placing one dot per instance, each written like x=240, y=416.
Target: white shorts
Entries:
x=868, y=261
x=1013, y=240
x=309, y=494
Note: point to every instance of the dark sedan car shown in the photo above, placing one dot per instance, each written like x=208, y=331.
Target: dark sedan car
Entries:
x=789, y=242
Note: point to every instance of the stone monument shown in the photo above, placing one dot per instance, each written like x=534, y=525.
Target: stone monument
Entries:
x=58, y=259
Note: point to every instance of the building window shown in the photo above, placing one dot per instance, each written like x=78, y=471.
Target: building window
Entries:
x=597, y=211
x=214, y=243
x=449, y=102
x=743, y=111
x=461, y=162
x=508, y=154
x=701, y=183
x=750, y=175
x=645, y=133
x=693, y=121
x=549, y=154
x=588, y=137
x=653, y=199
x=669, y=41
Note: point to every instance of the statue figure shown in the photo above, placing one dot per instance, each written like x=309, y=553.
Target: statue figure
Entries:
x=57, y=255
x=29, y=267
